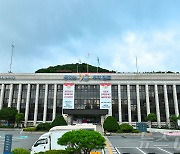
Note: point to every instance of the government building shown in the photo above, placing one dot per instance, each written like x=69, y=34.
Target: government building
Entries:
x=91, y=97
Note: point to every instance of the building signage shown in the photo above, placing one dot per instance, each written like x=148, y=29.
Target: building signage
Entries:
x=105, y=96
x=7, y=144
x=7, y=77
x=86, y=77
x=68, y=96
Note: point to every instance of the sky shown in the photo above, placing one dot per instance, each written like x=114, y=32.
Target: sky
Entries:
x=56, y=32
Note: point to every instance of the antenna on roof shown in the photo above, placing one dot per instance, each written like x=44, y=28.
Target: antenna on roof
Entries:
x=11, y=58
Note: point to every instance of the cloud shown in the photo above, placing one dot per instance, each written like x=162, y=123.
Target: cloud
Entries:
x=48, y=33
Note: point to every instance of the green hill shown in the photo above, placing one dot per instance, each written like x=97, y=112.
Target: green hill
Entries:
x=72, y=68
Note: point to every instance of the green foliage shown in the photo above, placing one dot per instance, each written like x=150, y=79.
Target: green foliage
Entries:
x=20, y=151
x=55, y=152
x=29, y=129
x=173, y=119
x=58, y=121
x=19, y=118
x=151, y=117
x=135, y=131
x=72, y=68
x=8, y=114
x=43, y=127
x=82, y=140
x=126, y=128
x=110, y=124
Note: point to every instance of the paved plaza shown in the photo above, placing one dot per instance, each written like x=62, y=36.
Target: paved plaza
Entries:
x=157, y=144
x=20, y=140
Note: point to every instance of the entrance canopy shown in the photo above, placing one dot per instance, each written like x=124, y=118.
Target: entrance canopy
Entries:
x=85, y=111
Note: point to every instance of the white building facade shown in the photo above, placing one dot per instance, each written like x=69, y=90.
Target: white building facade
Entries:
x=129, y=97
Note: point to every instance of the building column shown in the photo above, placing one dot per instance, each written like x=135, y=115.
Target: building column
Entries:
x=147, y=100
x=27, y=104
x=2, y=96
x=176, y=107
x=19, y=97
x=157, y=106
x=54, y=101
x=119, y=103
x=166, y=105
x=138, y=103
x=36, y=104
x=10, y=95
x=129, y=105
x=45, y=104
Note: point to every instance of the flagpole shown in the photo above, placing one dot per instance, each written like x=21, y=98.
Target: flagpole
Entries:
x=87, y=64
x=11, y=58
x=136, y=65
x=98, y=64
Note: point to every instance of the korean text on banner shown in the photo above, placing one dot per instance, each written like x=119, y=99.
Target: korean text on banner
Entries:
x=105, y=96
x=68, y=96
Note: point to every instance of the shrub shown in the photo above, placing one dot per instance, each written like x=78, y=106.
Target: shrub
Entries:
x=20, y=151
x=126, y=128
x=135, y=131
x=29, y=129
x=55, y=152
x=119, y=131
x=110, y=124
x=58, y=121
x=43, y=127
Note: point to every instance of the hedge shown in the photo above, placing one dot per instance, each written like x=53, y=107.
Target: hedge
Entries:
x=20, y=151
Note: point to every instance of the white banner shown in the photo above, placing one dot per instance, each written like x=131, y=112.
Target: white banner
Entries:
x=68, y=96
x=105, y=96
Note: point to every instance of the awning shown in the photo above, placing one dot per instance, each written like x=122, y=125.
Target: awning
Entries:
x=85, y=111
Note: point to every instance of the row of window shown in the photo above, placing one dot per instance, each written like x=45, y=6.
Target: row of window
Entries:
x=87, y=97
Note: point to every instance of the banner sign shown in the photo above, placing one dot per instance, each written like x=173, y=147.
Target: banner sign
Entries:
x=105, y=96
x=7, y=144
x=86, y=77
x=68, y=96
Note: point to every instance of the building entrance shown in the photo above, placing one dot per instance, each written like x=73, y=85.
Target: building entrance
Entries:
x=79, y=119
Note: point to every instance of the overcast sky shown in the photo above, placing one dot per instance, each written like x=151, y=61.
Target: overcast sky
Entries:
x=54, y=32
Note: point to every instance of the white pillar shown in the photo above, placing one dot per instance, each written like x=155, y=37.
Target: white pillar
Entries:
x=166, y=104
x=27, y=105
x=138, y=103
x=19, y=97
x=2, y=96
x=129, y=104
x=119, y=103
x=36, y=104
x=157, y=106
x=10, y=95
x=45, y=104
x=54, y=101
x=147, y=100
x=176, y=107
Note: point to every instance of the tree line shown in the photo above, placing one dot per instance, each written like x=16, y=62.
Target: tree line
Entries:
x=73, y=68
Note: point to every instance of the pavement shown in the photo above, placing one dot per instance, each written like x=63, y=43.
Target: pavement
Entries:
x=19, y=139
x=143, y=144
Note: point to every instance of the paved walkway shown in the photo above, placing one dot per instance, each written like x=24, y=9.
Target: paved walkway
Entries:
x=109, y=149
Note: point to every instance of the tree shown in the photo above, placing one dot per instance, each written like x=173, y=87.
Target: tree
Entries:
x=173, y=119
x=19, y=118
x=110, y=124
x=58, y=121
x=151, y=117
x=82, y=141
x=8, y=114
